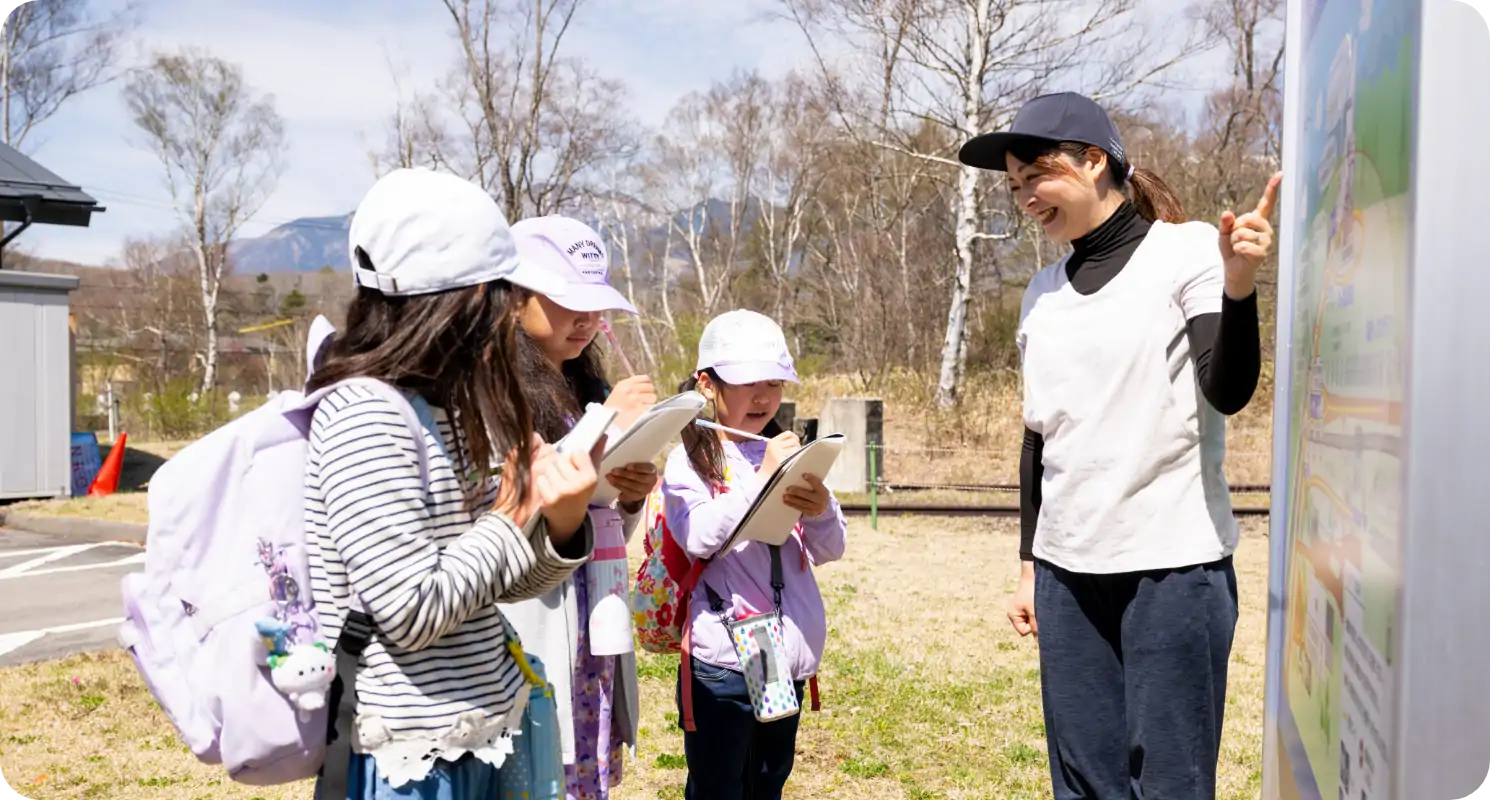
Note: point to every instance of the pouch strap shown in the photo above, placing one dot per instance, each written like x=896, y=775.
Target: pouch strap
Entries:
x=336, y=766
x=778, y=580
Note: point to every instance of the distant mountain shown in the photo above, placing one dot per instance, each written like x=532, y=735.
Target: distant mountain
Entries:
x=308, y=244
x=302, y=245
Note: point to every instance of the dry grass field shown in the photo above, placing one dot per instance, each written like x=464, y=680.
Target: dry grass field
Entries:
x=927, y=692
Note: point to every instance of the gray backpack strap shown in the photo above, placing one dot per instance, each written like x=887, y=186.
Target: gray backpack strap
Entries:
x=336, y=764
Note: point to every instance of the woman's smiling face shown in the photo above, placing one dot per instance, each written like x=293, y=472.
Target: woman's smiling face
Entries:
x=1059, y=192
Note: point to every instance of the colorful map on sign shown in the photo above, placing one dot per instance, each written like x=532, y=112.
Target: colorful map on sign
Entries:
x=1343, y=508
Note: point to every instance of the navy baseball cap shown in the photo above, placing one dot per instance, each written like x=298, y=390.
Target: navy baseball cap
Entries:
x=1049, y=120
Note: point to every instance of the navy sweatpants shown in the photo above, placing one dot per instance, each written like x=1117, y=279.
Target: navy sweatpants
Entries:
x=1133, y=679
x=732, y=756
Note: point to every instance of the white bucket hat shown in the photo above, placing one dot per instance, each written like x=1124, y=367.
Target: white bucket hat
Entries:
x=745, y=347
x=575, y=253
x=425, y=232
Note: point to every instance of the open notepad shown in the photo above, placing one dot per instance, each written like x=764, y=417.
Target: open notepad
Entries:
x=770, y=519
x=646, y=438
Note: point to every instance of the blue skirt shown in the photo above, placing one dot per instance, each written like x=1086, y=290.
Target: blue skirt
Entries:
x=470, y=778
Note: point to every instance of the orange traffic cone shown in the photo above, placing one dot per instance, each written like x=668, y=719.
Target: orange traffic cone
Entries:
x=107, y=481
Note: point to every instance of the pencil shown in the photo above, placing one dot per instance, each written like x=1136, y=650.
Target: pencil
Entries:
x=615, y=345
x=703, y=423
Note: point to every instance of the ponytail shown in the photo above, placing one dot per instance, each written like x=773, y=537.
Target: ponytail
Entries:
x=1153, y=198
x=705, y=451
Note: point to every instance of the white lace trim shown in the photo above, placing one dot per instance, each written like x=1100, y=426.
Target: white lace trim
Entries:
x=401, y=760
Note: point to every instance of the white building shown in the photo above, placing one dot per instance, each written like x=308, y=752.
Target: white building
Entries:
x=36, y=364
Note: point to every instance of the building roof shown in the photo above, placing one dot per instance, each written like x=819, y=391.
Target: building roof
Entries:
x=25, y=184
x=10, y=279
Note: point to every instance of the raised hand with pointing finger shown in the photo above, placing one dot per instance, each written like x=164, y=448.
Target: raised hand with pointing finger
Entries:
x=1245, y=242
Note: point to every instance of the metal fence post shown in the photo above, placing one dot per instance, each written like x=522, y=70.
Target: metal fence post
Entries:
x=874, y=487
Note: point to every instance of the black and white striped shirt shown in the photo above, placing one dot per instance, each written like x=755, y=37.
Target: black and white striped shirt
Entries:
x=436, y=680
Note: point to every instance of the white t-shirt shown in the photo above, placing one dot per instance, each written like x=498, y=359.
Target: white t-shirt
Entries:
x=1133, y=453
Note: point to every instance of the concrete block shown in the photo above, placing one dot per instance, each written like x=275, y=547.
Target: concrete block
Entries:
x=861, y=420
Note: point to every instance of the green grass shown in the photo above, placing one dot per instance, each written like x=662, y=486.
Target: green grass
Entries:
x=927, y=693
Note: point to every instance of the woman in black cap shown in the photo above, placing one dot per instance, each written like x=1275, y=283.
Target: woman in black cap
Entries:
x=1134, y=348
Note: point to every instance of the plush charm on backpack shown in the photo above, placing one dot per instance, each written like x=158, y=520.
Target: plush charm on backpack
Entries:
x=304, y=675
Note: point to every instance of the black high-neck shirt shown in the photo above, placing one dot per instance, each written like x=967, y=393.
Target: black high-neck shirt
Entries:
x=1099, y=256
x=1227, y=347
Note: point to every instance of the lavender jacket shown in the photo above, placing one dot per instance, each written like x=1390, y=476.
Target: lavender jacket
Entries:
x=702, y=522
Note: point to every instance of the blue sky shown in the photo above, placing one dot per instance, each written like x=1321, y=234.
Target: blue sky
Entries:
x=327, y=64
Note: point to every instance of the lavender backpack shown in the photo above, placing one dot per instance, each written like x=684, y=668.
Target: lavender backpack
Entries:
x=221, y=623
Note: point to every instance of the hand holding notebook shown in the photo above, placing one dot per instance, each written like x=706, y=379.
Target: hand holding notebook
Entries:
x=583, y=438
x=770, y=519
x=645, y=438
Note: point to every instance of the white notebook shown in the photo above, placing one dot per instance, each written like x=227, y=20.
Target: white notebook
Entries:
x=646, y=438
x=580, y=439
x=770, y=520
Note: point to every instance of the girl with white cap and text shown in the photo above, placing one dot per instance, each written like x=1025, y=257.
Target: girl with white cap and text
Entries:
x=710, y=481
x=582, y=629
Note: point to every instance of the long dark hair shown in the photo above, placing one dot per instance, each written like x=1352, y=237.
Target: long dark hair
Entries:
x=455, y=349
x=557, y=396
x=1151, y=196
x=705, y=451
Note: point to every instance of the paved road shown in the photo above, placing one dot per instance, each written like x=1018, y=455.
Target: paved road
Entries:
x=58, y=597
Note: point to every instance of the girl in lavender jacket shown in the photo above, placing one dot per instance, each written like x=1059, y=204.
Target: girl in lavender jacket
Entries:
x=708, y=485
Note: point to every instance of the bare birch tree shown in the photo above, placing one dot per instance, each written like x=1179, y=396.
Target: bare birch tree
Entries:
x=964, y=66
x=220, y=148
x=1252, y=33
x=52, y=51
x=887, y=185
x=689, y=175
x=515, y=116
x=789, y=175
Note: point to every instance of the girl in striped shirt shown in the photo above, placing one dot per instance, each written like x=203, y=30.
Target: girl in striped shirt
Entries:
x=437, y=694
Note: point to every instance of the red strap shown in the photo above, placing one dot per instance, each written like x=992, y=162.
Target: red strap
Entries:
x=685, y=667
x=817, y=700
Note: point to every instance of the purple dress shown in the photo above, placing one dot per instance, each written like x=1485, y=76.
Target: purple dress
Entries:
x=598, y=749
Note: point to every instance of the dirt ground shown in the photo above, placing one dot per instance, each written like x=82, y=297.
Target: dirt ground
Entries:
x=927, y=691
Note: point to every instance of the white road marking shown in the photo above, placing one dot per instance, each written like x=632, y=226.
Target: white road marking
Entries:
x=138, y=558
x=38, y=551
x=14, y=641
x=54, y=555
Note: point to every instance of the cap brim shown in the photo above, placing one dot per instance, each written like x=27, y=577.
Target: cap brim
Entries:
x=586, y=297
x=537, y=279
x=741, y=374
x=988, y=150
